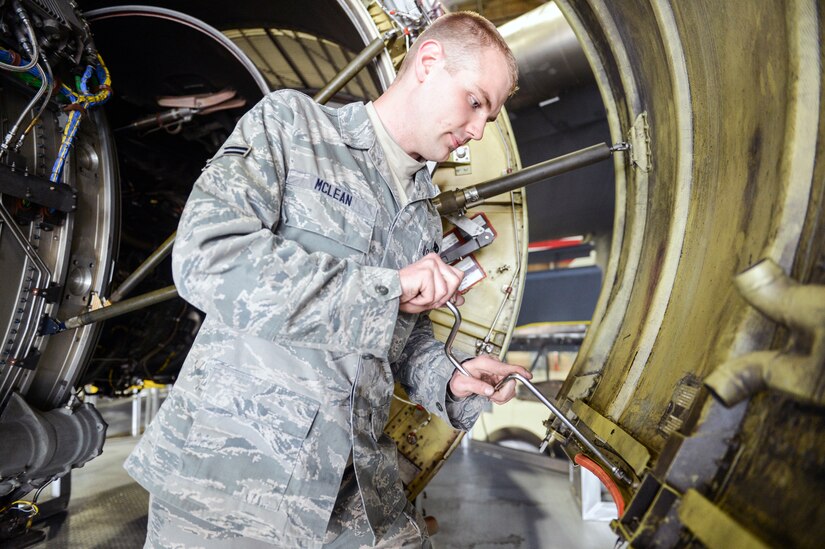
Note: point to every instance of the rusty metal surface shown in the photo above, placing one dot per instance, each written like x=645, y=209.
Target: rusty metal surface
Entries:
x=732, y=94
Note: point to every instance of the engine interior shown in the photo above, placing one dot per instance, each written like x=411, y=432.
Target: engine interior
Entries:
x=701, y=375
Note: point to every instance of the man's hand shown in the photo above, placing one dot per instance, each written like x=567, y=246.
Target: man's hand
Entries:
x=487, y=371
x=428, y=284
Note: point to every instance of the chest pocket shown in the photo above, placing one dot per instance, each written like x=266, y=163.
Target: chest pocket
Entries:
x=325, y=216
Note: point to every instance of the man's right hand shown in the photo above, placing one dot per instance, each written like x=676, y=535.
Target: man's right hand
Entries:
x=428, y=284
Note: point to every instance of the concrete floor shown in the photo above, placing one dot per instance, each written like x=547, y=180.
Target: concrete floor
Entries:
x=481, y=498
x=486, y=500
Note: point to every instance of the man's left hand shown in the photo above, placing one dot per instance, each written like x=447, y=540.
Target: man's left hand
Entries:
x=486, y=372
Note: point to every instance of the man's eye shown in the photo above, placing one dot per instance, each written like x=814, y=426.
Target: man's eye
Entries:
x=474, y=103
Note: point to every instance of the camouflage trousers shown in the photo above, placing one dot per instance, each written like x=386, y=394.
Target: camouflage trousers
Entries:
x=172, y=528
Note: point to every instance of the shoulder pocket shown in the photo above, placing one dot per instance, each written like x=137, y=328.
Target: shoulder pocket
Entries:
x=329, y=212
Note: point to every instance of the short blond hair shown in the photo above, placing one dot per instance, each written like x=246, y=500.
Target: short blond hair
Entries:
x=463, y=35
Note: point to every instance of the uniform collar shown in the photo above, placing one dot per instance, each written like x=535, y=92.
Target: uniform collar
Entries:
x=424, y=186
x=355, y=127
x=357, y=132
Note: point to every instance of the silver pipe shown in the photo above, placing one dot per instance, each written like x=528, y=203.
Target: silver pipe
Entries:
x=144, y=269
x=448, y=346
x=44, y=85
x=556, y=412
x=346, y=74
x=448, y=349
x=21, y=240
x=189, y=21
x=459, y=199
x=35, y=54
x=50, y=89
x=133, y=304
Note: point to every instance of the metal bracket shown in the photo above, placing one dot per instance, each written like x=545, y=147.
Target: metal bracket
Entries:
x=50, y=326
x=469, y=226
x=37, y=190
x=51, y=294
x=479, y=235
x=28, y=363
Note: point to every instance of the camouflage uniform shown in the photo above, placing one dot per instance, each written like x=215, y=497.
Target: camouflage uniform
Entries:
x=291, y=242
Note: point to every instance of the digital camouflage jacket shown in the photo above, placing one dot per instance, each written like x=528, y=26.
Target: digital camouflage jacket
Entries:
x=291, y=242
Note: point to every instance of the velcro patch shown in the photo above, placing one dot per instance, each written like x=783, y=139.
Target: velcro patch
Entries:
x=336, y=192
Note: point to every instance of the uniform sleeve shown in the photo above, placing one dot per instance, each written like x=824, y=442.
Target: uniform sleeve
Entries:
x=228, y=262
x=424, y=371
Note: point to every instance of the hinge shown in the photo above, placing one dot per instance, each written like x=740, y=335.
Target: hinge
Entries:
x=639, y=139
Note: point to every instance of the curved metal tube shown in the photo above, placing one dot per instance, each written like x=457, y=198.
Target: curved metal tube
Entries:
x=448, y=349
x=144, y=269
x=184, y=19
x=44, y=87
x=766, y=286
x=800, y=307
x=556, y=412
x=448, y=346
x=24, y=18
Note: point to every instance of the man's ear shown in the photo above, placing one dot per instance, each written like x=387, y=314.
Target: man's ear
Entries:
x=429, y=53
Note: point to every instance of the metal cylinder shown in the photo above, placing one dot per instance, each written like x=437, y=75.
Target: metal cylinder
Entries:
x=348, y=73
x=144, y=269
x=452, y=201
x=123, y=307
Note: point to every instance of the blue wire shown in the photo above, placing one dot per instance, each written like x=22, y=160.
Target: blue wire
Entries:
x=84, y=82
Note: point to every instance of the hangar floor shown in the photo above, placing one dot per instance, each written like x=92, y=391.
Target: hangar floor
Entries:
x=481, y=498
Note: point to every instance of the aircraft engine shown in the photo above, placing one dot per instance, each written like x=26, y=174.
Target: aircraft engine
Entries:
x=58, y=236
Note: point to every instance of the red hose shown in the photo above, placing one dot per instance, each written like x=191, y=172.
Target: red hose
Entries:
x=606, y=479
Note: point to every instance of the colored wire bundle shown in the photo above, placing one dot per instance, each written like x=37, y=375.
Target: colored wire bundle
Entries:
x=80, y=103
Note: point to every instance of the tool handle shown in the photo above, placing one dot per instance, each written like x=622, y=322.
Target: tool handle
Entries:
x=448, y=346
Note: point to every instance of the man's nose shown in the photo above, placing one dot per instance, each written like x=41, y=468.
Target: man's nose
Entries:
x=475, y=129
